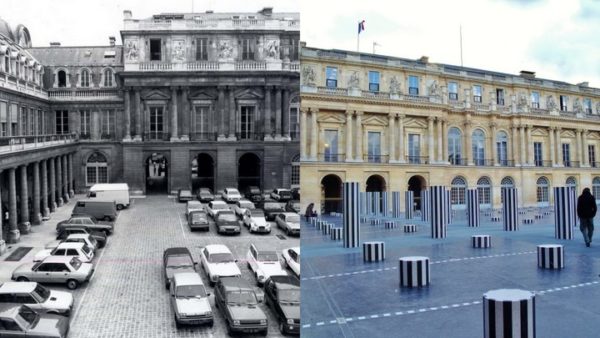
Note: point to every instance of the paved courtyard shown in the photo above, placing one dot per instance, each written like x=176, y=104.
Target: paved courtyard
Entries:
x=126, y=296
x=344, y=297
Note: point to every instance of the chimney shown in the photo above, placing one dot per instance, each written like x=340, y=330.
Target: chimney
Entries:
x=266, y=11
x=583, y=84
x=527, y=74
x=127, y=14
x=210, y=11
x=302, y=43
x=54, y=44
x=424, y=59
x=112, y=40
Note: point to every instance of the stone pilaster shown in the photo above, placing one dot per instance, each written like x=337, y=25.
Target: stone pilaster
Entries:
x=523, y=150
x=174, y=115
x=584, y=149
x=559, y=158
x=392, y=141
x=44, y=208
x=127, y=117
x=278, y=114
x=286, y=115
x=494, y=148
x=185, y=107
x=36, y=218
x=359, y=137
x=222, y=111
x=515, y=148
x=138, y=116
x=71, y=181
x=13, y=230
x=440, y=140
x=430, y=145
x=313, y=134
x=303, y=136
x=468, y=140
x=401, y=156
x=349, y=136
x=232, y=115
x=65, y=178
x=530, y=151
x=59, y=181
x=551, y=132
x=24, y=224
x=268, y=107
x=52, y=193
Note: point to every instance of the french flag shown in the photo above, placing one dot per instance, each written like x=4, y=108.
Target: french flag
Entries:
x=361, y=26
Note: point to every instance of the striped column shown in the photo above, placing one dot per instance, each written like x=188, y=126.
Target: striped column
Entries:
x=375, y=221
x=574, y=205
x=373, y=251
x=350, y=220
x=414, y=271
x=313, y=221
x=363, y=203
x=396, y=204
x=336, y=234
x=425, y=205
x=509, y=209
x=369, y=208
x=481, y=241
x=438, y=211
x=509, y=313
x=448, y=207
x=551, y=256
x=410, y=228
x=409, y=204
x=473, y=208
x=390, y=225
x=376, y=203
x=385, y=209
x=564, y=210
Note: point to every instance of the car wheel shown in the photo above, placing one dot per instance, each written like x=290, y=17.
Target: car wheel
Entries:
x=72, y=284
x=210, y=324
x=281, y=327
x=120, y=207
x=265, y=333
x=167, y=284
x=22, y=279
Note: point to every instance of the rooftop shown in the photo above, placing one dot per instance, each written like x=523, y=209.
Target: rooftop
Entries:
x=78, y=56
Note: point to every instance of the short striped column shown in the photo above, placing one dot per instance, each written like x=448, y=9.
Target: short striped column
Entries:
x=376, y=221
x=439, y=211
x=373, y=251
x=564, y=210
x=320, y=224
x=449, y=211
x=425, y=206
x=336, y=234
x=395, y=204
x=409, y=204
x=539, y=216
x=495, y=218
x=473, y=211
x=414, y=271
x=527, y=220
x=363, y=220
x=363, y=203
x=410, y=228
x=390, y=225
x=481, y=241
x=385, y=209
x=377, y=203
x=509, y=313
x=369, y=196
x=350, y=219
x=313, y=221
x=551, y=256
x=509, y=209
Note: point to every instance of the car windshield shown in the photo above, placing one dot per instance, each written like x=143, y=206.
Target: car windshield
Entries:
x=179, y=261
x=289, y=296
x=40, y=293
x=86, y=249
x=228, y=217
x=292, y=218
x=220, y=258
x=190, y=291
x=219, y=206
x=232, y=192
x=199, y=217
x=246, y=204
x=268, y=256
x=257, y=213
x=75, y=263
x=272, y=206
x=241, y=297
x=254, y=191
x=28, y=315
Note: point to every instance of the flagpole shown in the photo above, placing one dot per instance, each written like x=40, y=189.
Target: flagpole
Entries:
x=461, y=47
x=358, y=42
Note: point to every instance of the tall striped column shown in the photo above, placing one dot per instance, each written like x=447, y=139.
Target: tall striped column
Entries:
x=384, y=204
x=473, y=208
x=425, y=205
x=509, y=209
x=438, y=204
x=369, y=203
x=564, y=210
x=363, y=203
x=409, y=204
x=350, y=220
x=377, y=203
x=509, y=313
x=395, y=204
x=448, y=206
x=574, y=206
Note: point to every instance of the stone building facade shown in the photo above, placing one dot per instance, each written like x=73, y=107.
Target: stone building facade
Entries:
x=394, y=124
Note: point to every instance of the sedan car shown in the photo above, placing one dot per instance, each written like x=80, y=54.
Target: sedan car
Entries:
x=193, y=206
x=227, y=223
x=238, y=304
x=22, y=321
x=217, y=261
x=271, y=209
x=241, y=206
x=215, y=207
x=281, y=195
x=255, y=221
x=55, y=269
x=231, y=195
x=176, y=260
x=293, y=206
x=75, y=238
x=70, y=249
x=254, y=194
x=88, y=222
x=288, y=222
x=100, y=237
x=205, y=195
x=282, y=296
x=184, y=195
x=37, y=297
x=198, y=220
x=189, y=300
x=291, y=257
x=264, y=263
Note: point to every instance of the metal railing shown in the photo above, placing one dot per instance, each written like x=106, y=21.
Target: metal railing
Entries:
x=327, y=157
x=250, y=136
x=571, y=164
x=481, y=162
x=376, y=158
x=457, y=161
x=156, y=136
x=417, y=159
x=542, y=163
x=87, y=94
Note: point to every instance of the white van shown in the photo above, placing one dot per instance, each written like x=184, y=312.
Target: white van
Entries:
x=117, y=192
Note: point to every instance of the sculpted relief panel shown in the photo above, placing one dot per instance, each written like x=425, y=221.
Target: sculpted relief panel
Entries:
x=131, y=50
x=178, y=51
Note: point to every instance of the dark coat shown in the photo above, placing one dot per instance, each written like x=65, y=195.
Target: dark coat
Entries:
x=586, y=205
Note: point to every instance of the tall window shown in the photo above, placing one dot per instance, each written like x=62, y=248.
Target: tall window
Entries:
x=413, y=85
x=156, y=123
x=414, y=148
x=3, y=119
x=296, y=171
x=31, y=120
x=108, y=78
x=62, y=79
x=455, y=146
x=592, y=155
x=478, y=143
x=485, y=191
x=596, y=188
x=14, y=119
x=535, y=100
x=507, y=182
x=96, y=169
x=201, y=49
x=477, y=93
x=331, y=75
x=564, y=102
x=542, y=190
x=247, y=49
x=23, y=121
x=374, y=81
x=502, y=148
x=374, y=146
x=453, y=91
x=538, y=154
x=85, y=118
x=566, y=154
x=457, y=191
x=247, y=122
x=201, y=122
x=331, y=146
x=85, y=78
x=587, y=105
x=295, y=118
x=571, y=182
x=62, y=122
x=500, y=96
x=155, y=50
x=108, y=123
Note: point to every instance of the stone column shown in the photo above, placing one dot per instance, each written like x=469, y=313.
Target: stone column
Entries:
x=530, y=154
x=278, y=114
x=45, y=209
x=392, y=133
x=440, y=140
x=468, y=141
x=71, y=181
x=36, y=218
x=349, y=136
x=445, y=137
x=559, y=159
x=359, y=136
x=515, y=149
x=494, y=150
x=13, y=229
x=174, y=115
x=59, y=182
x=138, y=116
x=313, y=134
x=430, y=133
x=52, y=176
x=584, y=150
x=303, y=136
x=2, y=241
x=401, y=156
x=522, y=138
x=551, y=131
x=268, y=107
x=578, y=146
x=185, y=107
x=127, y=117
x=286, y=115
x=65, y=179
x=232, y=115
x=222, y=112
x=24, y=225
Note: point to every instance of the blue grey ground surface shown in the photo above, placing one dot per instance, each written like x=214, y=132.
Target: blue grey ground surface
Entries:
x=344, y=297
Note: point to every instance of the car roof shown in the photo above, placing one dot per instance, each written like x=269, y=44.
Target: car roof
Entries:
x=205, y=190
x=78, y=236
x=235, y=284
x=286, y=282
x=218, y=202
x=70, y=245
x=177, y=251
x=217, y=248
x=295, y=248
x=290, y=214
x=57, y=259
x=194, y=202
x=187, y=278
x=262, y=248
x=17, y=287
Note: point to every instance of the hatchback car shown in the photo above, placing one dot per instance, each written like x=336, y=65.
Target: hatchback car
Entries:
x=217, y=261
x=231, y=195
x=189, y=300
x=282, y=296
x=70, y=249
x=254, y=194
x=100, y=237
x=264, y=263
x=75, y=238
x=184, y=195
x=88, y=222
x=255, y=221
x=271, y=209
x=176, y=260
x=193, y=206
x=291, y=257
x=238, y=304
x=198, y=220
x=281, y=195
x=37, y=297
x=55, y=269
x=288, y=222
x=22, y=321
x=241, y=206
x=227, y=223
x=205, y=195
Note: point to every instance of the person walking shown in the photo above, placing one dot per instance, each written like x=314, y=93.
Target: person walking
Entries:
x=309, y=212
x=586, y=210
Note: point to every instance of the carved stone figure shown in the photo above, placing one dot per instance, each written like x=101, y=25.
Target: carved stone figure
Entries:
x=434, y=89
x=522, y=103
x=178, y=54
x=577, y=107
x=273, y=49
x=225, y=50
x=308, y=76
x=354, y=80
x=131, y=51
x=394, y=86
x=550, y=103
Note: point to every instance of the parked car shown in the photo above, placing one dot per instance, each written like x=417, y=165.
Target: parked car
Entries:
x=231, y=195
x=288, y=222
x=205, y=195
x=271, y=209
x=69, y=249
x=254, y=194
x=193, y=206
x=217, y=261
x=293, y=206
x=117, y=192
x=295, y=193
x=88, y=222
x=189, y=300
x=227, y=222
x=264, y=263
x=176, y=260
x=281, y=195
x=184, y=195
x=198, y=220
x=238, y=304
x=100, y=237
x=215, y=207
x=75, y=238
x=241, y=206
x=55, y=269
x=291, y=257
x=282, y=296
x=22, y=321
x=37, y=297
x=105, y=210
x=255, y=221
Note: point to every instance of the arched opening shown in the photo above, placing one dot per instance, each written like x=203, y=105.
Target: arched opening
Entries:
x=542, y=191
x=458, y=189
x=108, y=78
x=157, y=173
x=62, y=79
x=596, y=188
x=96, y=169
x=376, y=183
x=502, y=148
x=416, y=184
x=249, y=169
x=85, y=78
x=507, y=182
x=203, y=172
x=484, y=187
x=571, y=182
x=331, y=194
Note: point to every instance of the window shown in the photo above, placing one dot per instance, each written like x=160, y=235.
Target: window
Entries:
x=247, y=49
x=414, y=148
x=331, y=146
x=374, y=146
x=41, y=116
x=85, y=78
x=331, y=75
x=587, y=105
x=571, y=182
x=566, y=154
x=201, y=121
x=62, y=122
x=413, y=85
x=6, y=64
x=108, y=123
x=156, y=123
x=564, y=101
x=453, y=91
x=108, y=78
x=477, y=93
x=31, y=121
x=485, y=191
x=296, y=171
x=155, y=50
x=294, y=118
x=3, y=119
x=535, y=100
x=96, y=169
x=538, y=154
x=62, y=79
x=455, y=146
x=457, y=191
x=500, y=96
x=542, y=190
x=85, y=118
x=23, y=125
x=502, y=148
x=14, y=119
x=201, y=49
x=374, y=82
x=596, y=188
x=592, y=155
x=246, y=122
x=478, y=144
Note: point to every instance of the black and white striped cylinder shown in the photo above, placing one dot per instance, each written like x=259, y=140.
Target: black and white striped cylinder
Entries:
x=390, y=225
x=336, y=234
x=539, y=216
x=528, y=220
x=350, y=221
x=495, y=218
x=409, y=204
x=395, y=204
x=313, y=221
x=564, y=210
x=385, y=209
x=363, y=203
x=481, y=241
x=509, y=313
x=574, y=206
x=363, y=220
x=324, y=227
x=473, y=212
x=414, y=271
x=375, y=221
x=449, y=211
x=551, y=256
x=373, y=251
x=377, y=203
x=410, y=228
x=509, y=209
x=425, y=205
x=438, y=207
x=369, y=204
x=320, y=224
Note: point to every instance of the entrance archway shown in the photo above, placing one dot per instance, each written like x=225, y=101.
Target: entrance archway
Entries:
x=249, y=169
x=416, y=184
x=376, y=183
x=157, y=173
x=203, y=172
x=331, y=194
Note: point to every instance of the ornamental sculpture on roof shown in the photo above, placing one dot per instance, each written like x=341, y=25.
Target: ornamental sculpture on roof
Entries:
x=394, y=86
x=354, y=81
x=308, y=76
x=550, y=103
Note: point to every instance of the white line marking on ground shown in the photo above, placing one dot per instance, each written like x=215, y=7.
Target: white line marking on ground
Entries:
x=181, y=226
